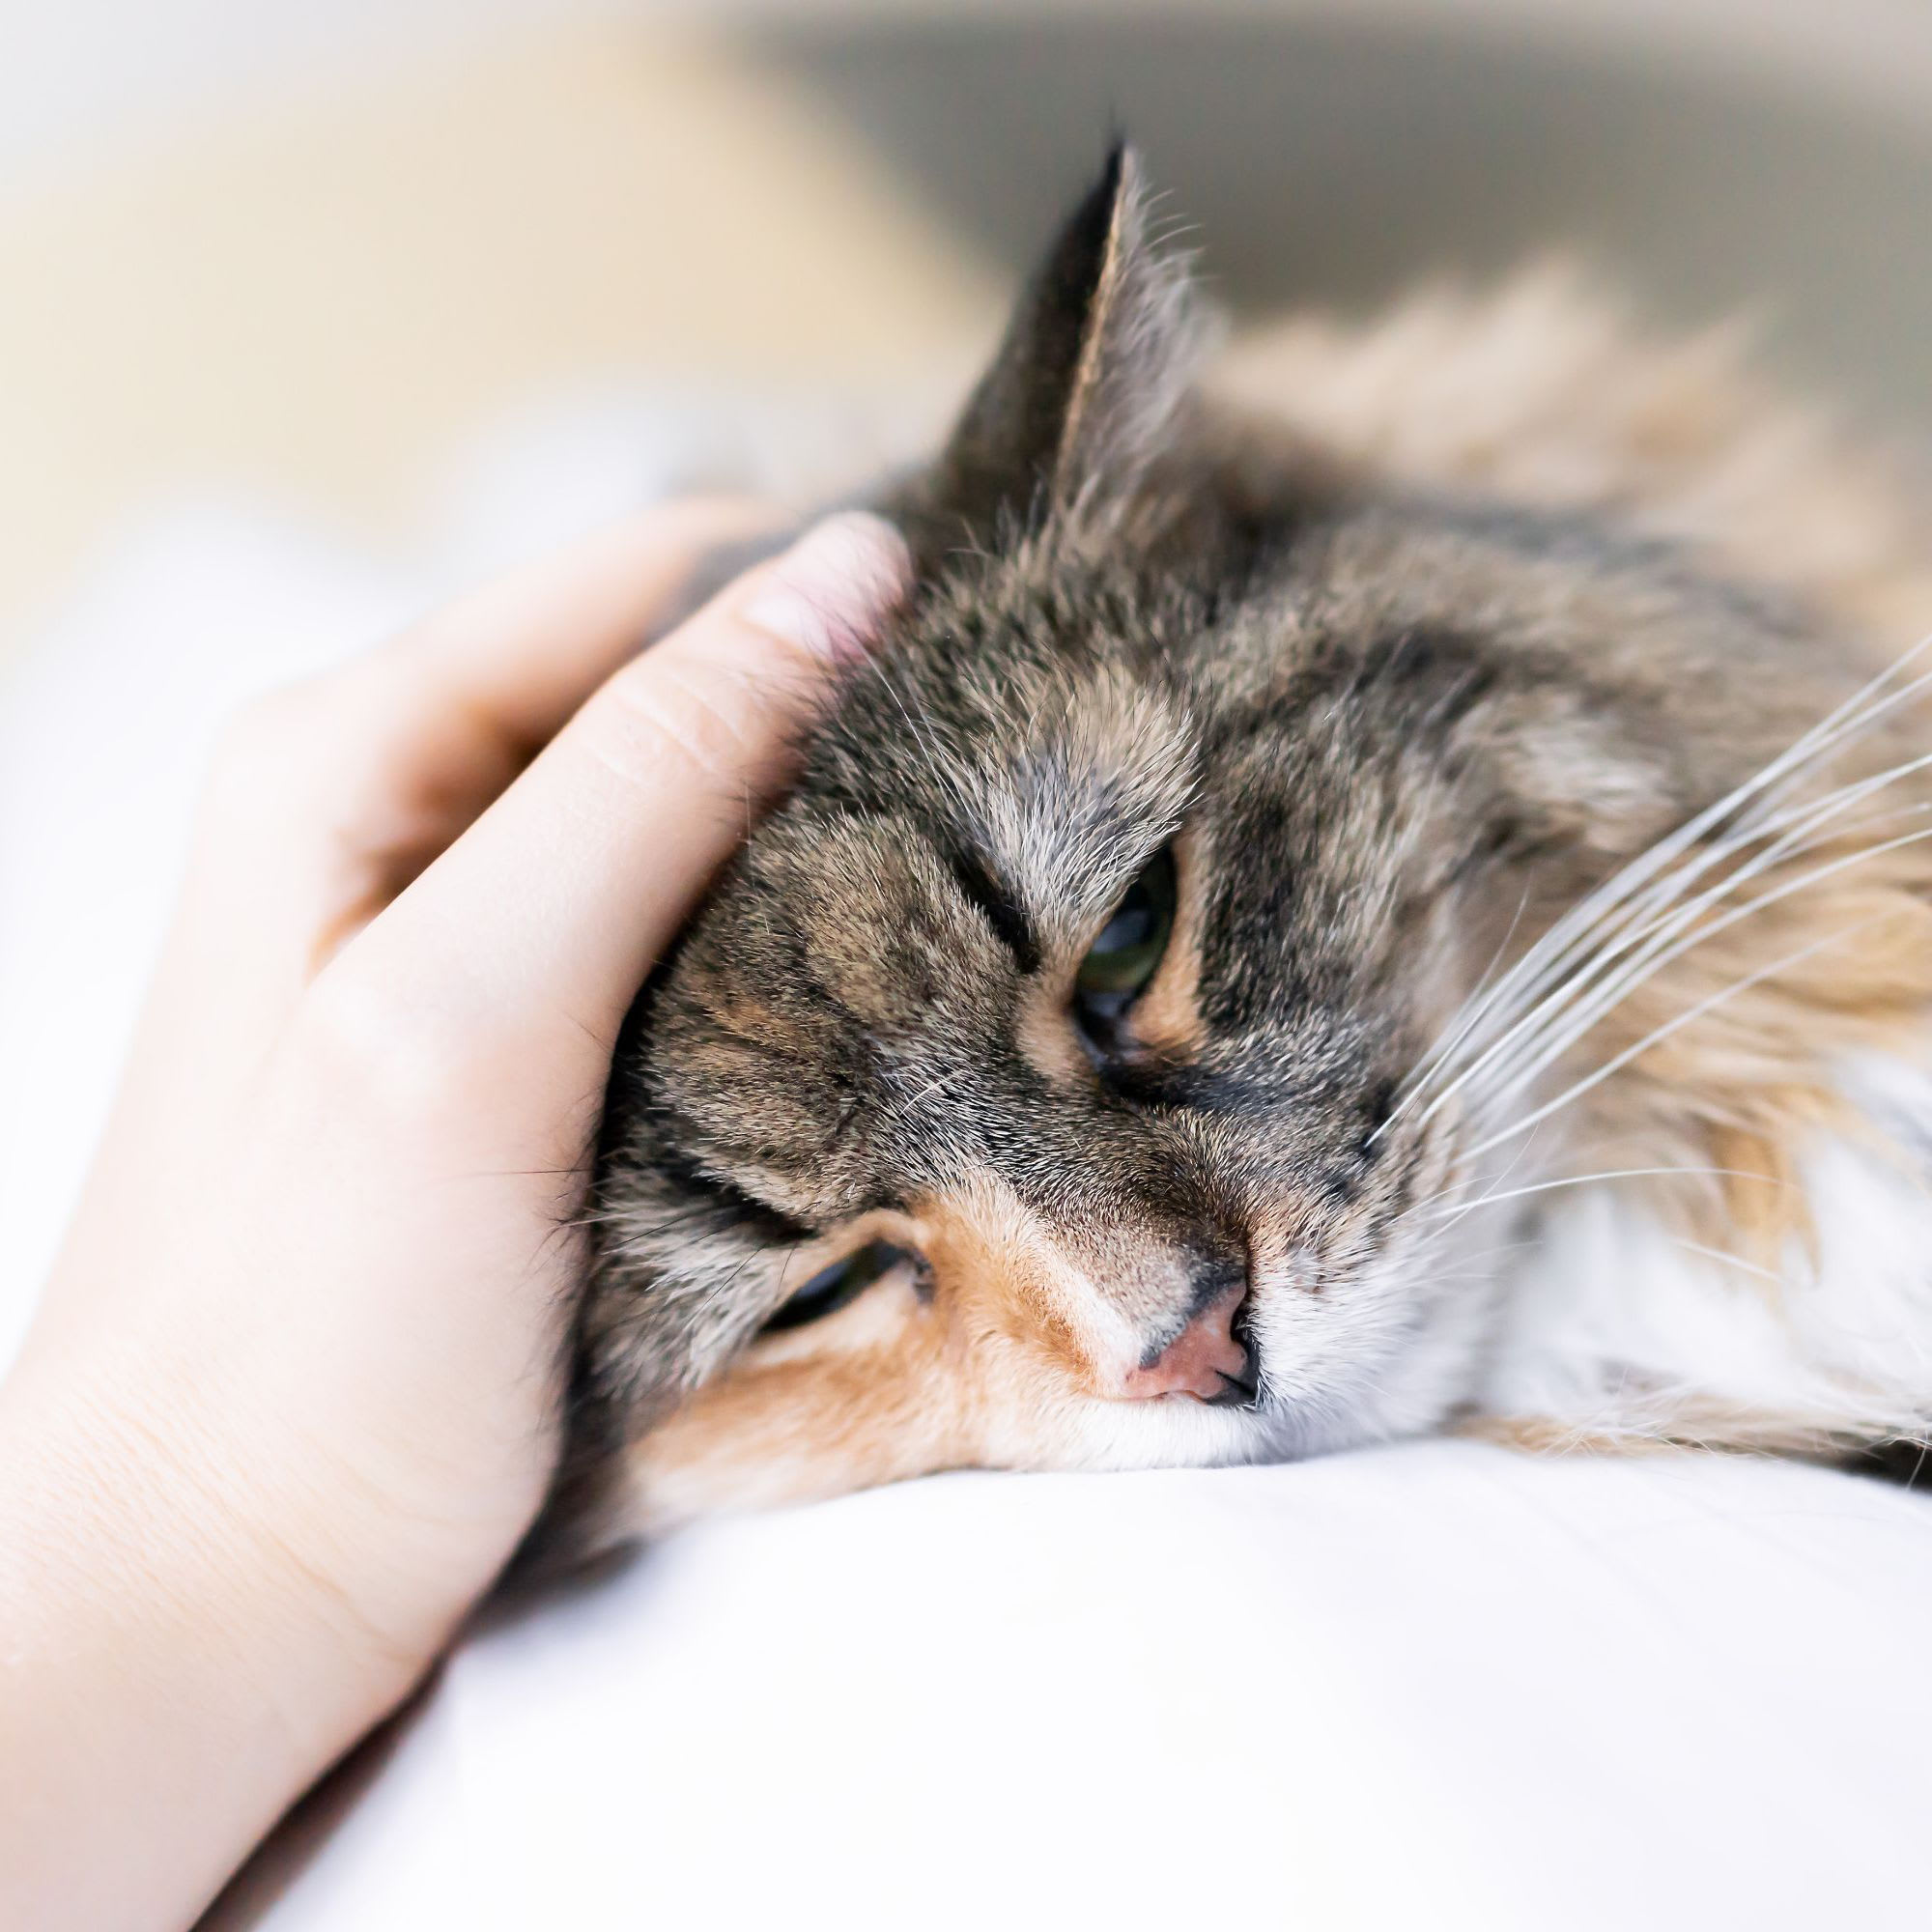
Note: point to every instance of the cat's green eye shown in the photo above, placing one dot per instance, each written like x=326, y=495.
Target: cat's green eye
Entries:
x=833, y=1288
x=1127, y=951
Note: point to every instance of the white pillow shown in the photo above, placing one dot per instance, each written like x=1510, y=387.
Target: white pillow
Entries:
x=1426, y=1688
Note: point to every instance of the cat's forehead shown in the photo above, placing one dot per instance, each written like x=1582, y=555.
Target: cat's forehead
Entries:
x=1034, y=719
x=841, y=1022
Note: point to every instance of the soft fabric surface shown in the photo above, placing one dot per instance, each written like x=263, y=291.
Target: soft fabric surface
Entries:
x=1432, y=1686
x=1439, y=1686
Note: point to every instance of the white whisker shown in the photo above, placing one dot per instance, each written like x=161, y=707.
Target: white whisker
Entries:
x=1729, y=1259
x=1580, y=929
x=1673, y=1025
x=1643, y=968
x=1520, y=1038
x=1649, y=941
x=1610, y=1173
x=1441, y=1053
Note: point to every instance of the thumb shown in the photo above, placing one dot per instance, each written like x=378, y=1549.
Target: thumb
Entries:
x=565, y=890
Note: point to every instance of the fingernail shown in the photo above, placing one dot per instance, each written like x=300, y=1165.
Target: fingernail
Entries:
x=830, y=590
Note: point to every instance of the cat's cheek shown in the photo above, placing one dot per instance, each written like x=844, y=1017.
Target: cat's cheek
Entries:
x=800, y=1430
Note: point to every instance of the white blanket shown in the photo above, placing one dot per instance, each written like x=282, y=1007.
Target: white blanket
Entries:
x=1427, y=1688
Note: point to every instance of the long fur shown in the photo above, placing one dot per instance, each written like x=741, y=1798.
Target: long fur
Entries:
x=1543, y=1038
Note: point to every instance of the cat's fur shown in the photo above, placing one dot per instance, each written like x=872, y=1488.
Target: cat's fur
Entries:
x=1410, y=639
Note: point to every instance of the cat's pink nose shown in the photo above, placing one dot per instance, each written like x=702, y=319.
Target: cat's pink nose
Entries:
x=1207, y=1360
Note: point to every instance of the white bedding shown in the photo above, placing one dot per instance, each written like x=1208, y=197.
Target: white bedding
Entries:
x=1431, y=1687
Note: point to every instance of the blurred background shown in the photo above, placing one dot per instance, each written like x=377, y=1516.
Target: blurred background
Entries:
x=354, y=258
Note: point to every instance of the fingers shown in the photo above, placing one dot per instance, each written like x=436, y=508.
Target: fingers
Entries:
x=558, y=899
x=519, y=655
x=331, y=794
x=462, y=699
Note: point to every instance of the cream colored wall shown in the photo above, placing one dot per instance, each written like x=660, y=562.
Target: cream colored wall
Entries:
x=323, y=294
x=326, y=298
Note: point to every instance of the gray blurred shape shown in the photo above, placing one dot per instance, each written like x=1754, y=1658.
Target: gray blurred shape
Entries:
x=1341, y=162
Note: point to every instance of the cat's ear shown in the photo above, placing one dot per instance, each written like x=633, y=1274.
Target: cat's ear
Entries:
x=1097, y=359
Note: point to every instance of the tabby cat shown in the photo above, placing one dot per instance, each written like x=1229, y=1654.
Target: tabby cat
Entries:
x=1375, y=886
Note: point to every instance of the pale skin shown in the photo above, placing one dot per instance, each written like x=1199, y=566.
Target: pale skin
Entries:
x=292, y=1398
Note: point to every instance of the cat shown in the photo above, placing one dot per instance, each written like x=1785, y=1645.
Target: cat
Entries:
x=1375, y=887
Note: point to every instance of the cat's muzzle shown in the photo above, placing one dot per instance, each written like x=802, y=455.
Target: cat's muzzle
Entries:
x=1212, y=1358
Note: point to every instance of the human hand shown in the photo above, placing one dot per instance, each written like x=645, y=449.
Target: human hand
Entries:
x=293, y=1396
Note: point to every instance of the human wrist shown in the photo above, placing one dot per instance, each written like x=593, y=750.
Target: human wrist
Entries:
x=170, y=1490
x=164, y=1655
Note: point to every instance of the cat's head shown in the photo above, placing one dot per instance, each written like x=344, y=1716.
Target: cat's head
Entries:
x=1021, y=1094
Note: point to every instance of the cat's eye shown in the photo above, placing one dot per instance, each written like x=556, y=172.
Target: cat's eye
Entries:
x=1127, y=952
x=835, y=1287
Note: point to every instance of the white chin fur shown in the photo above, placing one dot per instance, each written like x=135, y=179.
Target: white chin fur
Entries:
x=1611, y=1325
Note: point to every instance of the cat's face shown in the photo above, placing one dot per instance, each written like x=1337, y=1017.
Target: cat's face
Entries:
x=1021, y=1097
x=982, y=1118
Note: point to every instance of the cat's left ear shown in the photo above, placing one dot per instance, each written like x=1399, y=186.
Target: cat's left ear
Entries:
x=1096, y=362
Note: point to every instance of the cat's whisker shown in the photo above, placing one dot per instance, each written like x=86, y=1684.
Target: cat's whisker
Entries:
x=1608, y=1174
x=1465, y=1178
x=1675, y=1024
x=1584, y=922
x=1536, y=1051
x=1812, y=812
x=1479, y=1264
x=1448, y=1041
x=1622, y=939
x=1644, y=969
x=1728, y=1258
x=1435, y=1197
x=1655, y=939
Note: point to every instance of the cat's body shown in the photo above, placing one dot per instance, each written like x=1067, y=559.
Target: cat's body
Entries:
x=1169, y=977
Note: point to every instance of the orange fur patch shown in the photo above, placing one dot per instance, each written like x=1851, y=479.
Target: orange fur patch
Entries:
x=894, y=1385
